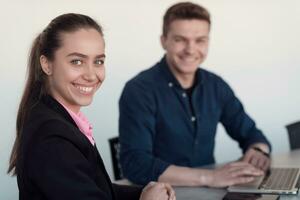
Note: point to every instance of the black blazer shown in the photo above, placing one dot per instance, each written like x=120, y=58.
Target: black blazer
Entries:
x=56, y=161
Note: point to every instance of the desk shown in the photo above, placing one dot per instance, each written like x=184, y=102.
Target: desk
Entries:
x=200, y=193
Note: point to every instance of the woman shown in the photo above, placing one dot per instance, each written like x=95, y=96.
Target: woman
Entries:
x=54, y=155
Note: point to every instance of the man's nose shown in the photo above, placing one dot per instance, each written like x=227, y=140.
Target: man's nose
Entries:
x=190, y=47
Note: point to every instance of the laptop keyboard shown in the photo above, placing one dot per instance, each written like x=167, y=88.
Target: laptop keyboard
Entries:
x=280, y=179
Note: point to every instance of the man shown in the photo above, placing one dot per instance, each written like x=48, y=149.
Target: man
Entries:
x=169, y=113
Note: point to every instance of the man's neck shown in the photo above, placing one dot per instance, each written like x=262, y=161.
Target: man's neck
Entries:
x=186, y=81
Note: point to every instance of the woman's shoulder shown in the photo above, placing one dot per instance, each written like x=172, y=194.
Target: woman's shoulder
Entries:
x=41, y=114
x=44, y=122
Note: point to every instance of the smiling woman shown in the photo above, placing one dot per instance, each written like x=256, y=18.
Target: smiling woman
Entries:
x=78, y=70
x=54, y=154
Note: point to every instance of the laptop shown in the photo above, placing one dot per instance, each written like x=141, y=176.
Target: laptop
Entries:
x=277, y=181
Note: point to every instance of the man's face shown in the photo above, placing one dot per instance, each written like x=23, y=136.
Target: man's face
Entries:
x=186, y=45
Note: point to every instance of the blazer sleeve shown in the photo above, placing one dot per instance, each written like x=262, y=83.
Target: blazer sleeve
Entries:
x=59, y=168
x=124, y=192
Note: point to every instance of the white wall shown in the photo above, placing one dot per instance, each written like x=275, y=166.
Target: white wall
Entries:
x=254, y=46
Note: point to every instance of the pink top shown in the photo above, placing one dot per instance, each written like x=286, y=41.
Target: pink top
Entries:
x=83, y=124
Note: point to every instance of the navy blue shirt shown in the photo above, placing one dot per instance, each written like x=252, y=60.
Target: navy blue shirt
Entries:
x=159, y=127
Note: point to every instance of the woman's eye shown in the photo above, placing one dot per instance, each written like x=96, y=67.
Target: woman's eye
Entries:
x=76, y=62
x=99, y=62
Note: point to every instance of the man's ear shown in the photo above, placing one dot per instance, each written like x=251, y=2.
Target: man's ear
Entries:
x=46, y=65
x=163, y=41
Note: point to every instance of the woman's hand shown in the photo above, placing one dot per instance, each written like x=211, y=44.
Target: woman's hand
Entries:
x=158, y=191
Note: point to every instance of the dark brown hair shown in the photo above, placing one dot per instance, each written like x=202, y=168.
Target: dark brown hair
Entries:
x=184, y=10
x=46, y=43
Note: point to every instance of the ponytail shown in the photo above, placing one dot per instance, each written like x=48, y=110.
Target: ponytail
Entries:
x=33, y=91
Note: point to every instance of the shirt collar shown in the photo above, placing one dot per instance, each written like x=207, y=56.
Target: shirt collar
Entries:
x=82, y=123
x=78, y=119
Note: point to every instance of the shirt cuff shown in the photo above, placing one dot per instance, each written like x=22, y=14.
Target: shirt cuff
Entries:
x=159, y=167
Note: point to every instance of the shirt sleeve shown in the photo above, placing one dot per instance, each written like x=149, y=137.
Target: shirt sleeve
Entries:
x=236, y=121
x=60, y=170
x=137, y=123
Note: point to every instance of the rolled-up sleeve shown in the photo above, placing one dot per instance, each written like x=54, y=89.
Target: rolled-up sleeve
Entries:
x=137, y=123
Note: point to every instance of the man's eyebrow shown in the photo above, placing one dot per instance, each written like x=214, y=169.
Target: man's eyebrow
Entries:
x=101, y=56
x=204, y=37
x=197, y=38
x=181, y=36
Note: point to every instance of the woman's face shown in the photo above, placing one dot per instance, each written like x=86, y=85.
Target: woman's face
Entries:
x=77, y=70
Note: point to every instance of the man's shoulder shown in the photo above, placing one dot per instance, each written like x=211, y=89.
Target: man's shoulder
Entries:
x=151, y=75
x=214, y=82
x=209, y=76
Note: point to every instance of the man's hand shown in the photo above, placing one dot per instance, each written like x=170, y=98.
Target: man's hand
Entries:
x=232, y=174
x=258, y=158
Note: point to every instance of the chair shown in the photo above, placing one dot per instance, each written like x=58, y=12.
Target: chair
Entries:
x=115, y=157
x=294, y=135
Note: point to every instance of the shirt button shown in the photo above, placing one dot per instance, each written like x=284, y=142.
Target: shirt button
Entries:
x=170, y=84
x=193, y=118
x=184, y=95
x=196, y=142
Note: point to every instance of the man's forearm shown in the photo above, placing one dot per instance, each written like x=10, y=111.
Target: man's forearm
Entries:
x=185, y=176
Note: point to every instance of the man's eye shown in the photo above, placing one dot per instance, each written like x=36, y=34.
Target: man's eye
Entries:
x=76, y=62
x=177, y=39
x=201, y=41
x=99, y=62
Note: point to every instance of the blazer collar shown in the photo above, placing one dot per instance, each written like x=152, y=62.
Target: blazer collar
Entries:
x=54, y=105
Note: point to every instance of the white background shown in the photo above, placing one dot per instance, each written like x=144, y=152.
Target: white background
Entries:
x=254, y=47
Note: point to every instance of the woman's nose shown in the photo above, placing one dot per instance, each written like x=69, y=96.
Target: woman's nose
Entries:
x=90, y=73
